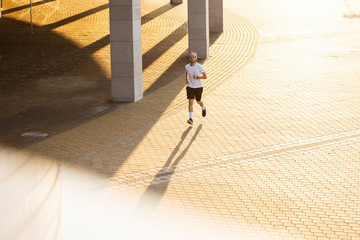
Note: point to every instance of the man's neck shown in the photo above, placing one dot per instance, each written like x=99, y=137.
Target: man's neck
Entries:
x=192, y=64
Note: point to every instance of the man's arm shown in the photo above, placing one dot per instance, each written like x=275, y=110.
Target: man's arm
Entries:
x=203, y=76
x=187, y=77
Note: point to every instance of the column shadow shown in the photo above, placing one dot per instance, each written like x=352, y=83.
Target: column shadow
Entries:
x=157, y=13
x=11, y=10
x=144, y=19
x=75, y=17
x=157, y=188
x=159, y=49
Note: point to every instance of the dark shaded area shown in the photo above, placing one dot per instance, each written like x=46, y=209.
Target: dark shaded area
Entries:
x=47, y=83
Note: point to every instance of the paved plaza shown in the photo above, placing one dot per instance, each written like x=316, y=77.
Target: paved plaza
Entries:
x=276, y=157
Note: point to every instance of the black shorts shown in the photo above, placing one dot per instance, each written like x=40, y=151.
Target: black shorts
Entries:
x=194, y=93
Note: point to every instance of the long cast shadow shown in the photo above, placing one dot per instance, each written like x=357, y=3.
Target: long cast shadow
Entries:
x=157, y=188
x=159, y=49
x=75, y=17
x=11, y=10
x=157, y=13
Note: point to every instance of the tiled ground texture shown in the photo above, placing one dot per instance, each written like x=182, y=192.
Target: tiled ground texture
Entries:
x=69, y=49
x=277, y=157
x=57, y=77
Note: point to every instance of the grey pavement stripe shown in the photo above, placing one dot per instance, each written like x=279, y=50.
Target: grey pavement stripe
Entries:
x=329, y=140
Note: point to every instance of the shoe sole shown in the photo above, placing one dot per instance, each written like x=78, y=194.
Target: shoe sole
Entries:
x=191, y=123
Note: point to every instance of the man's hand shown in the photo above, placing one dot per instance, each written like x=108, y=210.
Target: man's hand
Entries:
x=187, y=81
x=195, y=77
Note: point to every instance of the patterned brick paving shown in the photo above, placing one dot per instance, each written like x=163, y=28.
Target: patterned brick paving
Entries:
x=277, y=155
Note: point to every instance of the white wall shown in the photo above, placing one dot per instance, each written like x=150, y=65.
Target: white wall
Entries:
x=30, y=197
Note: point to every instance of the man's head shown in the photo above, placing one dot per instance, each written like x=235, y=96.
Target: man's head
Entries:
x=192, y=57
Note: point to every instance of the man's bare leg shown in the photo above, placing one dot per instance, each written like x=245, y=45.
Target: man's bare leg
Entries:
x=202, y=107
x=191, y=110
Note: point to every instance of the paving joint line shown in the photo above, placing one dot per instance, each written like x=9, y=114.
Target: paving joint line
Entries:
x=252, y=154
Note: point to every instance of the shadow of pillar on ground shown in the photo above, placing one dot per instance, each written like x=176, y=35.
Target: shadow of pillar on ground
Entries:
x=47, y=85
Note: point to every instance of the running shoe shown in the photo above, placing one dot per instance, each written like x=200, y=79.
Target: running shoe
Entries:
x=204, y=112
x=190, y=121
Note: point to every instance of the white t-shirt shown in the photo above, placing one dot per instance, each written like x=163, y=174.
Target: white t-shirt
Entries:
x=197, y=70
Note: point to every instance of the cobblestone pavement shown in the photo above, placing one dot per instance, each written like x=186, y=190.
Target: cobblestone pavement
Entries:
x=277, y=156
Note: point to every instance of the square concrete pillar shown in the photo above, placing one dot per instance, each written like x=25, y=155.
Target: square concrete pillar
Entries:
x=198, y=25
x=176, y=1
x=125, y=50
x=216, y=17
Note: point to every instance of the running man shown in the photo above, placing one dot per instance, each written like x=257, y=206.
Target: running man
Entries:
x=194, y=73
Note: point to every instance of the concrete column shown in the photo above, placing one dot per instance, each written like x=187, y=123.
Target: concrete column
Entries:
x=216, y=16
x=198, y=24
x=176, y=1
x=125, y=50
